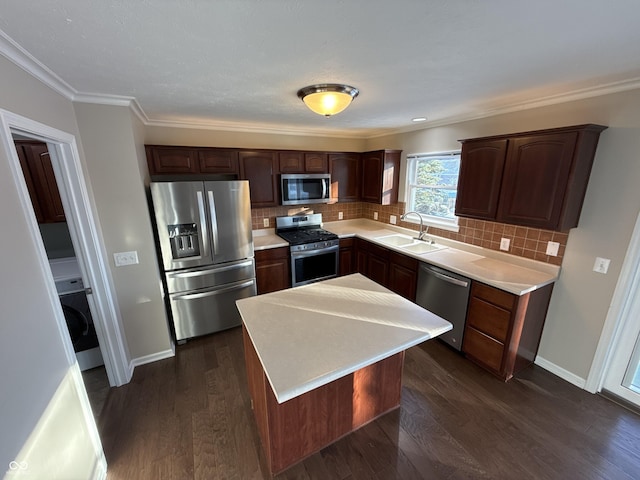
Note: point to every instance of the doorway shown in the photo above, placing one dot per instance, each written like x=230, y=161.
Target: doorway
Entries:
x=44, y=193
x=83, y=231
x=616, y=367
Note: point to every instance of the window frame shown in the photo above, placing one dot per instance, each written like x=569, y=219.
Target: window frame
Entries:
x=429, y=220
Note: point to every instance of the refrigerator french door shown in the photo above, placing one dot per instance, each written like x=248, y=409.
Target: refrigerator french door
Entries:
x=206, y=249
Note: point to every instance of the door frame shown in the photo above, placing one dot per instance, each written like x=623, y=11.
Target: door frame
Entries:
x=622, y=311
x=85, y=234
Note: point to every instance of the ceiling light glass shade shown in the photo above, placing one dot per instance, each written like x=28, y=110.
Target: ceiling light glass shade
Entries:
x=328, y=98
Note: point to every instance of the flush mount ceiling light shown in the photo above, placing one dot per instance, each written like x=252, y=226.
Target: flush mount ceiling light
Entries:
x=327, y=98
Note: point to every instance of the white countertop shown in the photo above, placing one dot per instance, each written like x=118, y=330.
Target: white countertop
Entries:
x=311, y=335
x=511, y=273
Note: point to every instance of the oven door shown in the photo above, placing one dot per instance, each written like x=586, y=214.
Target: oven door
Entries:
x=314, y=265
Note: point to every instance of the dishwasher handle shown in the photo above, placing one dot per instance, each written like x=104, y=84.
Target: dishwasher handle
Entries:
x=446, y=278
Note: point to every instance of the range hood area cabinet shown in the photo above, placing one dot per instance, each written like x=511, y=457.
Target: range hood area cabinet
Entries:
x=533, y=179
x=41, y=181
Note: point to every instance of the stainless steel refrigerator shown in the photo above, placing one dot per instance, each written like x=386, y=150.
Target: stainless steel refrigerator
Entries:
x=206, y=247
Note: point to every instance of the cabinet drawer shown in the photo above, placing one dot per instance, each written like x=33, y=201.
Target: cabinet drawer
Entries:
x=492, y=295
x=483, y=348
x=489, y=319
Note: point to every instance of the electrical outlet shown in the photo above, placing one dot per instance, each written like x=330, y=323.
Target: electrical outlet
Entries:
x=340, y=216
x=375, y=215
x=392, y=219
x=601, y=265
x=504, y=244
x=552, y=248
x=265, y=222
x=125, y=258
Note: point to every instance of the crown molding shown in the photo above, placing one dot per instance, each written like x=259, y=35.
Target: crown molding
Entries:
x=258, y=128
x=23, y=59
x=580, y=94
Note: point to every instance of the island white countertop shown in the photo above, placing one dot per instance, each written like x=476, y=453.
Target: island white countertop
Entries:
x=311, y=335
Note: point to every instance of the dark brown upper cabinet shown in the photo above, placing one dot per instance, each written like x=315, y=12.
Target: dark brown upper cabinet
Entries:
x=303, y=162
x=380, y=176
x=534, y=179
x=172, y=160
x=41, y=181
x=260, y=168
x=345, y=176
x=218, y=160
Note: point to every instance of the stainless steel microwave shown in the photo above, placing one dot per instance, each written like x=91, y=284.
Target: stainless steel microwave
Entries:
x=303, y=188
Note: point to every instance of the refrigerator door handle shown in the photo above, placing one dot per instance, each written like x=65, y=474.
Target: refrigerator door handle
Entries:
x=214, y=221
x=209, y=293
x=202, y=273
x=203, y=222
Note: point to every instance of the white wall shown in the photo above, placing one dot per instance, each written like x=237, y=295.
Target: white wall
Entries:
x=581, y=297
x=112, y=151
x=33, y=362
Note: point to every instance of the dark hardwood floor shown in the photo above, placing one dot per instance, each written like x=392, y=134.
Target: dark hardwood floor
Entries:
x=190, y=417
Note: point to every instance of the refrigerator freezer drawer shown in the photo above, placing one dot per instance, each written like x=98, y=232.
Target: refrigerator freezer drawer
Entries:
x=210, y=277
x=207, y=311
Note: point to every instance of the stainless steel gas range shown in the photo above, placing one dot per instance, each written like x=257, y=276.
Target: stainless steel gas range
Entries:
x=314, y=251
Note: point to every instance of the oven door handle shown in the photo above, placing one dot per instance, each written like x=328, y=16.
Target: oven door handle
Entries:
x=310, y=253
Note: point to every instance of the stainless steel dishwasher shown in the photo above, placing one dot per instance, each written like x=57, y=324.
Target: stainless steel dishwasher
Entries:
x=446, y=294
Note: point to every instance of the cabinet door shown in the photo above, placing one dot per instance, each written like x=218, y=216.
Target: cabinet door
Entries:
x=33, y=193
x=316, y=162
x=44, y=182
x=481, y=167
x=259, y=168
x=172, y=160
x=380, y=176
x=347, y=262
x=403, y=275
x=218, y=160
x=291, y=162
x=372, y=165
x=535, y=179
x=345, y=176
x=273, y=270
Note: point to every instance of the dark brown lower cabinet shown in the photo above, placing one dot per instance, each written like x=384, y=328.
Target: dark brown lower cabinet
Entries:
x=273, y=269
x=403, y=275
x=502, y=333
x=347, y=261
x=397, y=272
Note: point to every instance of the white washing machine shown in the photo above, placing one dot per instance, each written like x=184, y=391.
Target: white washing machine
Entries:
x=76, y=312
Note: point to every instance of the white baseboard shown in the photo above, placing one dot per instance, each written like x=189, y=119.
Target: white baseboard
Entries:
x=154, y=357
x=561, y=372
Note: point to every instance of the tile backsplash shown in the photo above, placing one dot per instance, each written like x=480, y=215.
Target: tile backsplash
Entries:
x=524, y=242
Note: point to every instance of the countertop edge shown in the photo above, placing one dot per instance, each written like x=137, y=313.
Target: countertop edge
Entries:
x=370, y=229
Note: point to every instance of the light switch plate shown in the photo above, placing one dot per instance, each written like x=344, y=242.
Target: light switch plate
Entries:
x=125, y=258
x=340, y=216
x=601, y=265
x=504, y=244
x=552, y=248
x=392, y=219
x=375, y=215
x=265, y=222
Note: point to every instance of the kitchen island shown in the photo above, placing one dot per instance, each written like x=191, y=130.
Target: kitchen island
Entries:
x=325, y=359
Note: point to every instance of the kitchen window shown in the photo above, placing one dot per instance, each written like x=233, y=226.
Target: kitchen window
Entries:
x=432, y=182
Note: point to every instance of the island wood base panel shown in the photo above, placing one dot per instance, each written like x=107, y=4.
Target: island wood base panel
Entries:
x=297, y=428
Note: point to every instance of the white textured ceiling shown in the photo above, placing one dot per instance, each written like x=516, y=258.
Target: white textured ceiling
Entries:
x=240, y=63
